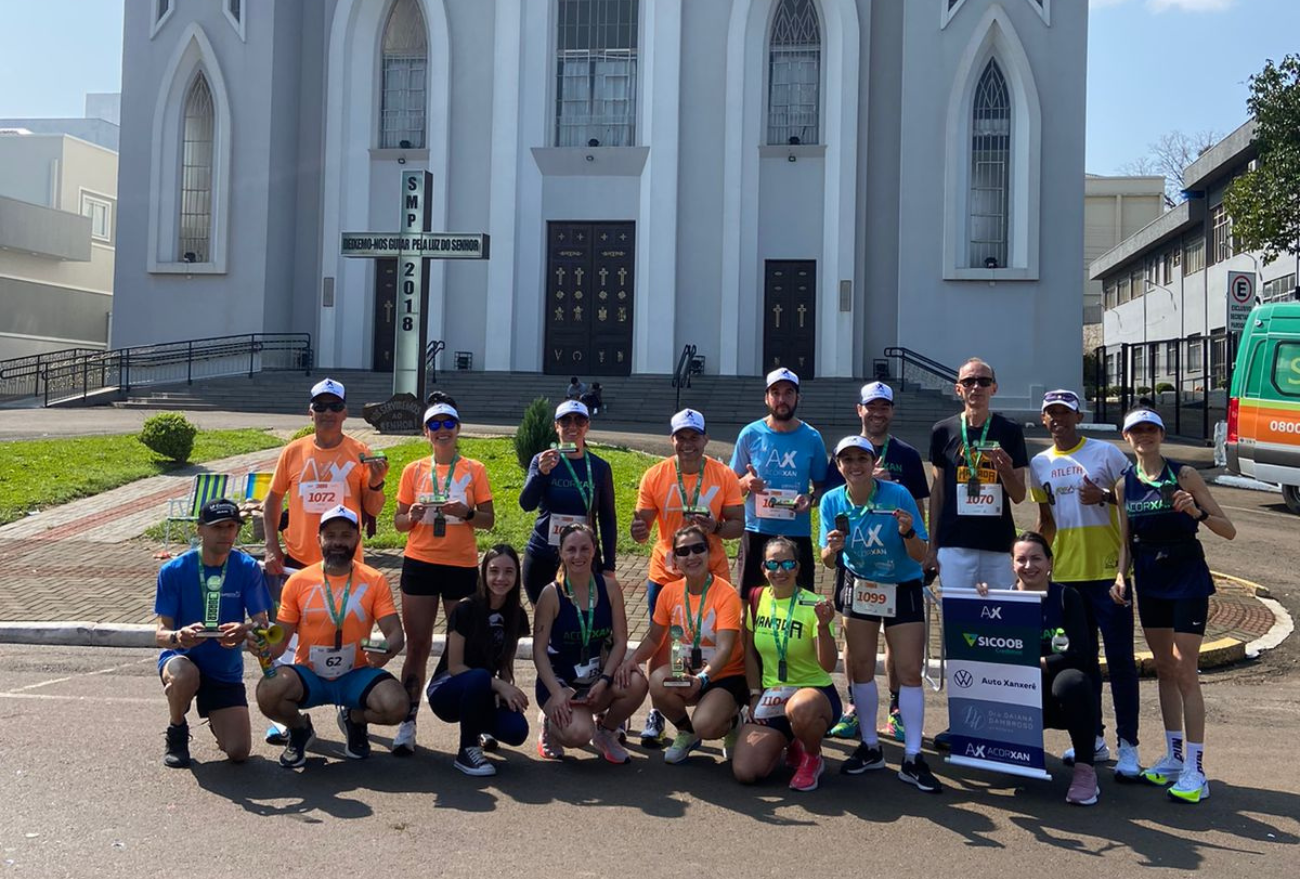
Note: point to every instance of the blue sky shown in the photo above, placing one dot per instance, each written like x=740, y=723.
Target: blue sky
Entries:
x=1153, y=65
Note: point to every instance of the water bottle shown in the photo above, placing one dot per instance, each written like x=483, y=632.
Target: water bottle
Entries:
x=1060, y=643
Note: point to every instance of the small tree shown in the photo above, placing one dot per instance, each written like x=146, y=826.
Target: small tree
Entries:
x=170, y=435
x=1264, y=203
x=536, y=431
x=1169, y=156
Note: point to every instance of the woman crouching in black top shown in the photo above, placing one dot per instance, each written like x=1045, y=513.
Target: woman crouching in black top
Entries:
x=474, y=681
x=1069, y=659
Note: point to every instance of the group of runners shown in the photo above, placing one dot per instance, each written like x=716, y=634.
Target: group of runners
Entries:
x=745, y=660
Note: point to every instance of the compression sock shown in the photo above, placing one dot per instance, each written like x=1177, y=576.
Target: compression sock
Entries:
x=911, y=704
x=866, y=699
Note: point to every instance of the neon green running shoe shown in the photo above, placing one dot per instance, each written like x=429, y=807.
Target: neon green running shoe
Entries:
x=847, y=728
x=1164, y=773
x=1191, y=787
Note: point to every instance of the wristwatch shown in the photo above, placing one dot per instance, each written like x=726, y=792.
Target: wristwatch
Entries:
x=909, y=533
x=469, y=517
x=703, y=678
x=174, y=638
x=1205, y=514
x=377, y=487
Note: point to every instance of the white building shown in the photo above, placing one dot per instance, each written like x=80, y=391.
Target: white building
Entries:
x=794, y=181
x=58, y=200
x=1113, y=209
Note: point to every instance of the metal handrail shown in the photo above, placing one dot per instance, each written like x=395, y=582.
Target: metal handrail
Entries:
x=431, y=352
x=920, y=361
x=682, y=374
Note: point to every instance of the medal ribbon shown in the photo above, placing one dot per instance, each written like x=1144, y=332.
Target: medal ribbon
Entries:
x=433, y=475
x=587, y=622
x=339, y=614
x=972, y=461
x=699, y=618
x=884, y=450
x=1159, y=482
x=783, y=645
x=681, y=486
x=211, y=596
x=587, y=491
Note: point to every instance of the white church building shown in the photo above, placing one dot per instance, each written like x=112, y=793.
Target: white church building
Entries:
x=778, y=182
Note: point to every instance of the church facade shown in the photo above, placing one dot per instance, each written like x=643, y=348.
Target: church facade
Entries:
x=779, y=182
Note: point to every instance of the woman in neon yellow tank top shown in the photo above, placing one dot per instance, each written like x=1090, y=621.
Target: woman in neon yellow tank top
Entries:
x=790, y=652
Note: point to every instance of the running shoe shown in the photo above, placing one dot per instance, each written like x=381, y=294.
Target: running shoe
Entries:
x=729, y=743
x=864, y=758
x=915, y=771
x=1084, y=789
x=1191, y=787
x=653, y=735
x=794, y=754
x=300, y=739
x=810, y=769
x=894, y=726
x=1127, y=768
x=470, y=761
x=943, y=741
x=681, y=748
x=547, y=749
x=404, y=740
x=1100, y=753
x=846, y=728
x=487, y=742
x=356, y=735
x=606, y=742
x=177, y=754
x=277, y=734
x=1164, y=773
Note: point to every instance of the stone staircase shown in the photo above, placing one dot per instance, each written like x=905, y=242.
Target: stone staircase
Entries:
x=500, y=397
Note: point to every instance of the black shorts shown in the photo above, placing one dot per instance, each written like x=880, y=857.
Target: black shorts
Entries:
x=1186, y=616
x=782, y=724
x=214, y=695
x=537, y=574
x=749, y=562
x=449, y=582
x=909, y=604
x=736, y=685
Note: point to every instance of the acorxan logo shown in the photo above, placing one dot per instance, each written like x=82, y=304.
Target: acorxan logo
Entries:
x=993, y=643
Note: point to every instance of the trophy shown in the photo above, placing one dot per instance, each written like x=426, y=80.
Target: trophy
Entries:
x=679, y=660
x=372, y=459
x=272, y=634
x=565, y=448
x=435, y=501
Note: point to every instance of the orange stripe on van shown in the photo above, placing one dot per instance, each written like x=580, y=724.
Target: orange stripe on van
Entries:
x=1269, y=422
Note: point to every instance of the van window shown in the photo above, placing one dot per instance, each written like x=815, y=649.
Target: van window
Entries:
x=1286, y=368
x=1255, y=369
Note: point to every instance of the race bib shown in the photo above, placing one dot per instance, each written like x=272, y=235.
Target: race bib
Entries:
x=772, y=703
x=329, y=663
x=875, y=599
x=775, y=503
x=987, y=503
x=317, y=497
x=585, y=673
x=559, y=523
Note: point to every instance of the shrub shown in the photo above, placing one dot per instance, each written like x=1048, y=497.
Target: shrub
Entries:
x=1143, y=390
x=301, y=432
x=1164, y=386
x=170, y=435
x=536, y=431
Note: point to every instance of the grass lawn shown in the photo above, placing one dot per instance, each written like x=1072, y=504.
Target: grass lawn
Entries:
x=35, y=474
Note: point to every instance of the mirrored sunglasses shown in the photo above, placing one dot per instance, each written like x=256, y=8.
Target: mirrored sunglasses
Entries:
x=783, y=564
x=447, y=423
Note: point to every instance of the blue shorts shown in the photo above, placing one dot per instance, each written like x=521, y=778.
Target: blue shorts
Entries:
x=351, y=690
x=782, y=724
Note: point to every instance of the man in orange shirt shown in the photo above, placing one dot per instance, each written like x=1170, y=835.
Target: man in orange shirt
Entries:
x=332, y=607
x=689, y=486
x=315, y=473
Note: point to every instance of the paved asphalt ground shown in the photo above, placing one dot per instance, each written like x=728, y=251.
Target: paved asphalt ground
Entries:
x=83, y=791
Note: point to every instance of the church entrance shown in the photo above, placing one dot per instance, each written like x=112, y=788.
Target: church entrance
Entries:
x=589, y=280
x=789, y=316
x=385, y=314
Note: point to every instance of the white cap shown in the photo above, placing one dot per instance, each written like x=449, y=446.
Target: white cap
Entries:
x=339, y=512
x=1142, y=416
x=688, y=418
x=571, y=407
x=782, y=375
x=876, y=391
x=1061, y=397
x=442, y=409
x=327, y=386
x=855, y=442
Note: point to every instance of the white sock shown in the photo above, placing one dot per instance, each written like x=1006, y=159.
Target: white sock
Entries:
x=1174, y=743
x=866, y=701
x=1195, y=759
x=911, y=704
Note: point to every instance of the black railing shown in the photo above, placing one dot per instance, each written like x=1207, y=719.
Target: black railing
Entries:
x=921, y=371
x=20, y=377
x=682, y=374
x=1184, y=379
x=431, y=352
x=74, y=375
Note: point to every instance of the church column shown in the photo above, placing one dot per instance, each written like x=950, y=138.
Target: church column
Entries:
x=659, y=75
x=503, y=205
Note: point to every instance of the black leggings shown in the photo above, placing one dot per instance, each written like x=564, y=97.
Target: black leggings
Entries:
x=1071, y=705
x=537, y=574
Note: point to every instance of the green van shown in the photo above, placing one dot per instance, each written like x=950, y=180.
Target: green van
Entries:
x=1264, y=406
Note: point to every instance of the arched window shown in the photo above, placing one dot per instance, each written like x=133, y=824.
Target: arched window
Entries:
x=990, y=170
x=405, y=76
x=595, y=69
x=195, y=240
x=794, y=74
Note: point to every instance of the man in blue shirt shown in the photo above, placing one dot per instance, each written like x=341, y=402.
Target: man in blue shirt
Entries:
x=202, y=600
x=781, y=464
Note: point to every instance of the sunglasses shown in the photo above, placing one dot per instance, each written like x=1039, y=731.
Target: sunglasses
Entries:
x=571, y=419
x=448, y=423
x=971, y=381
x=328, y=407
x=690, y=549
x=783, y=564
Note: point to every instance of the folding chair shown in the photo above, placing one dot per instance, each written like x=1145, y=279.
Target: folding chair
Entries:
x=207, y=487
x=256, y=486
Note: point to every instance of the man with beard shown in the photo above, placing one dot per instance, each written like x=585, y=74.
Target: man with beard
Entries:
x=896, y=461
x=333, y=607
x=776, y=460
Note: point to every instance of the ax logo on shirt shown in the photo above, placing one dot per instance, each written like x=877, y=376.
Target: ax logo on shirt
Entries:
x=317, y=603
x=782, y=460
x=673, y=503
x=867, y=536
x=334, y=472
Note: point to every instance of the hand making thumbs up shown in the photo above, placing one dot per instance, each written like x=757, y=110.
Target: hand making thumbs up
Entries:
x=1090, y=493
x=751, y=482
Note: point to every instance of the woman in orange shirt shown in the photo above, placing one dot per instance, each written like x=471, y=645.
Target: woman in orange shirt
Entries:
x=440, y=501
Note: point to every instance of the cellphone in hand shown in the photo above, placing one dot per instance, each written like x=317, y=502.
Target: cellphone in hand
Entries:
x=842, y=523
